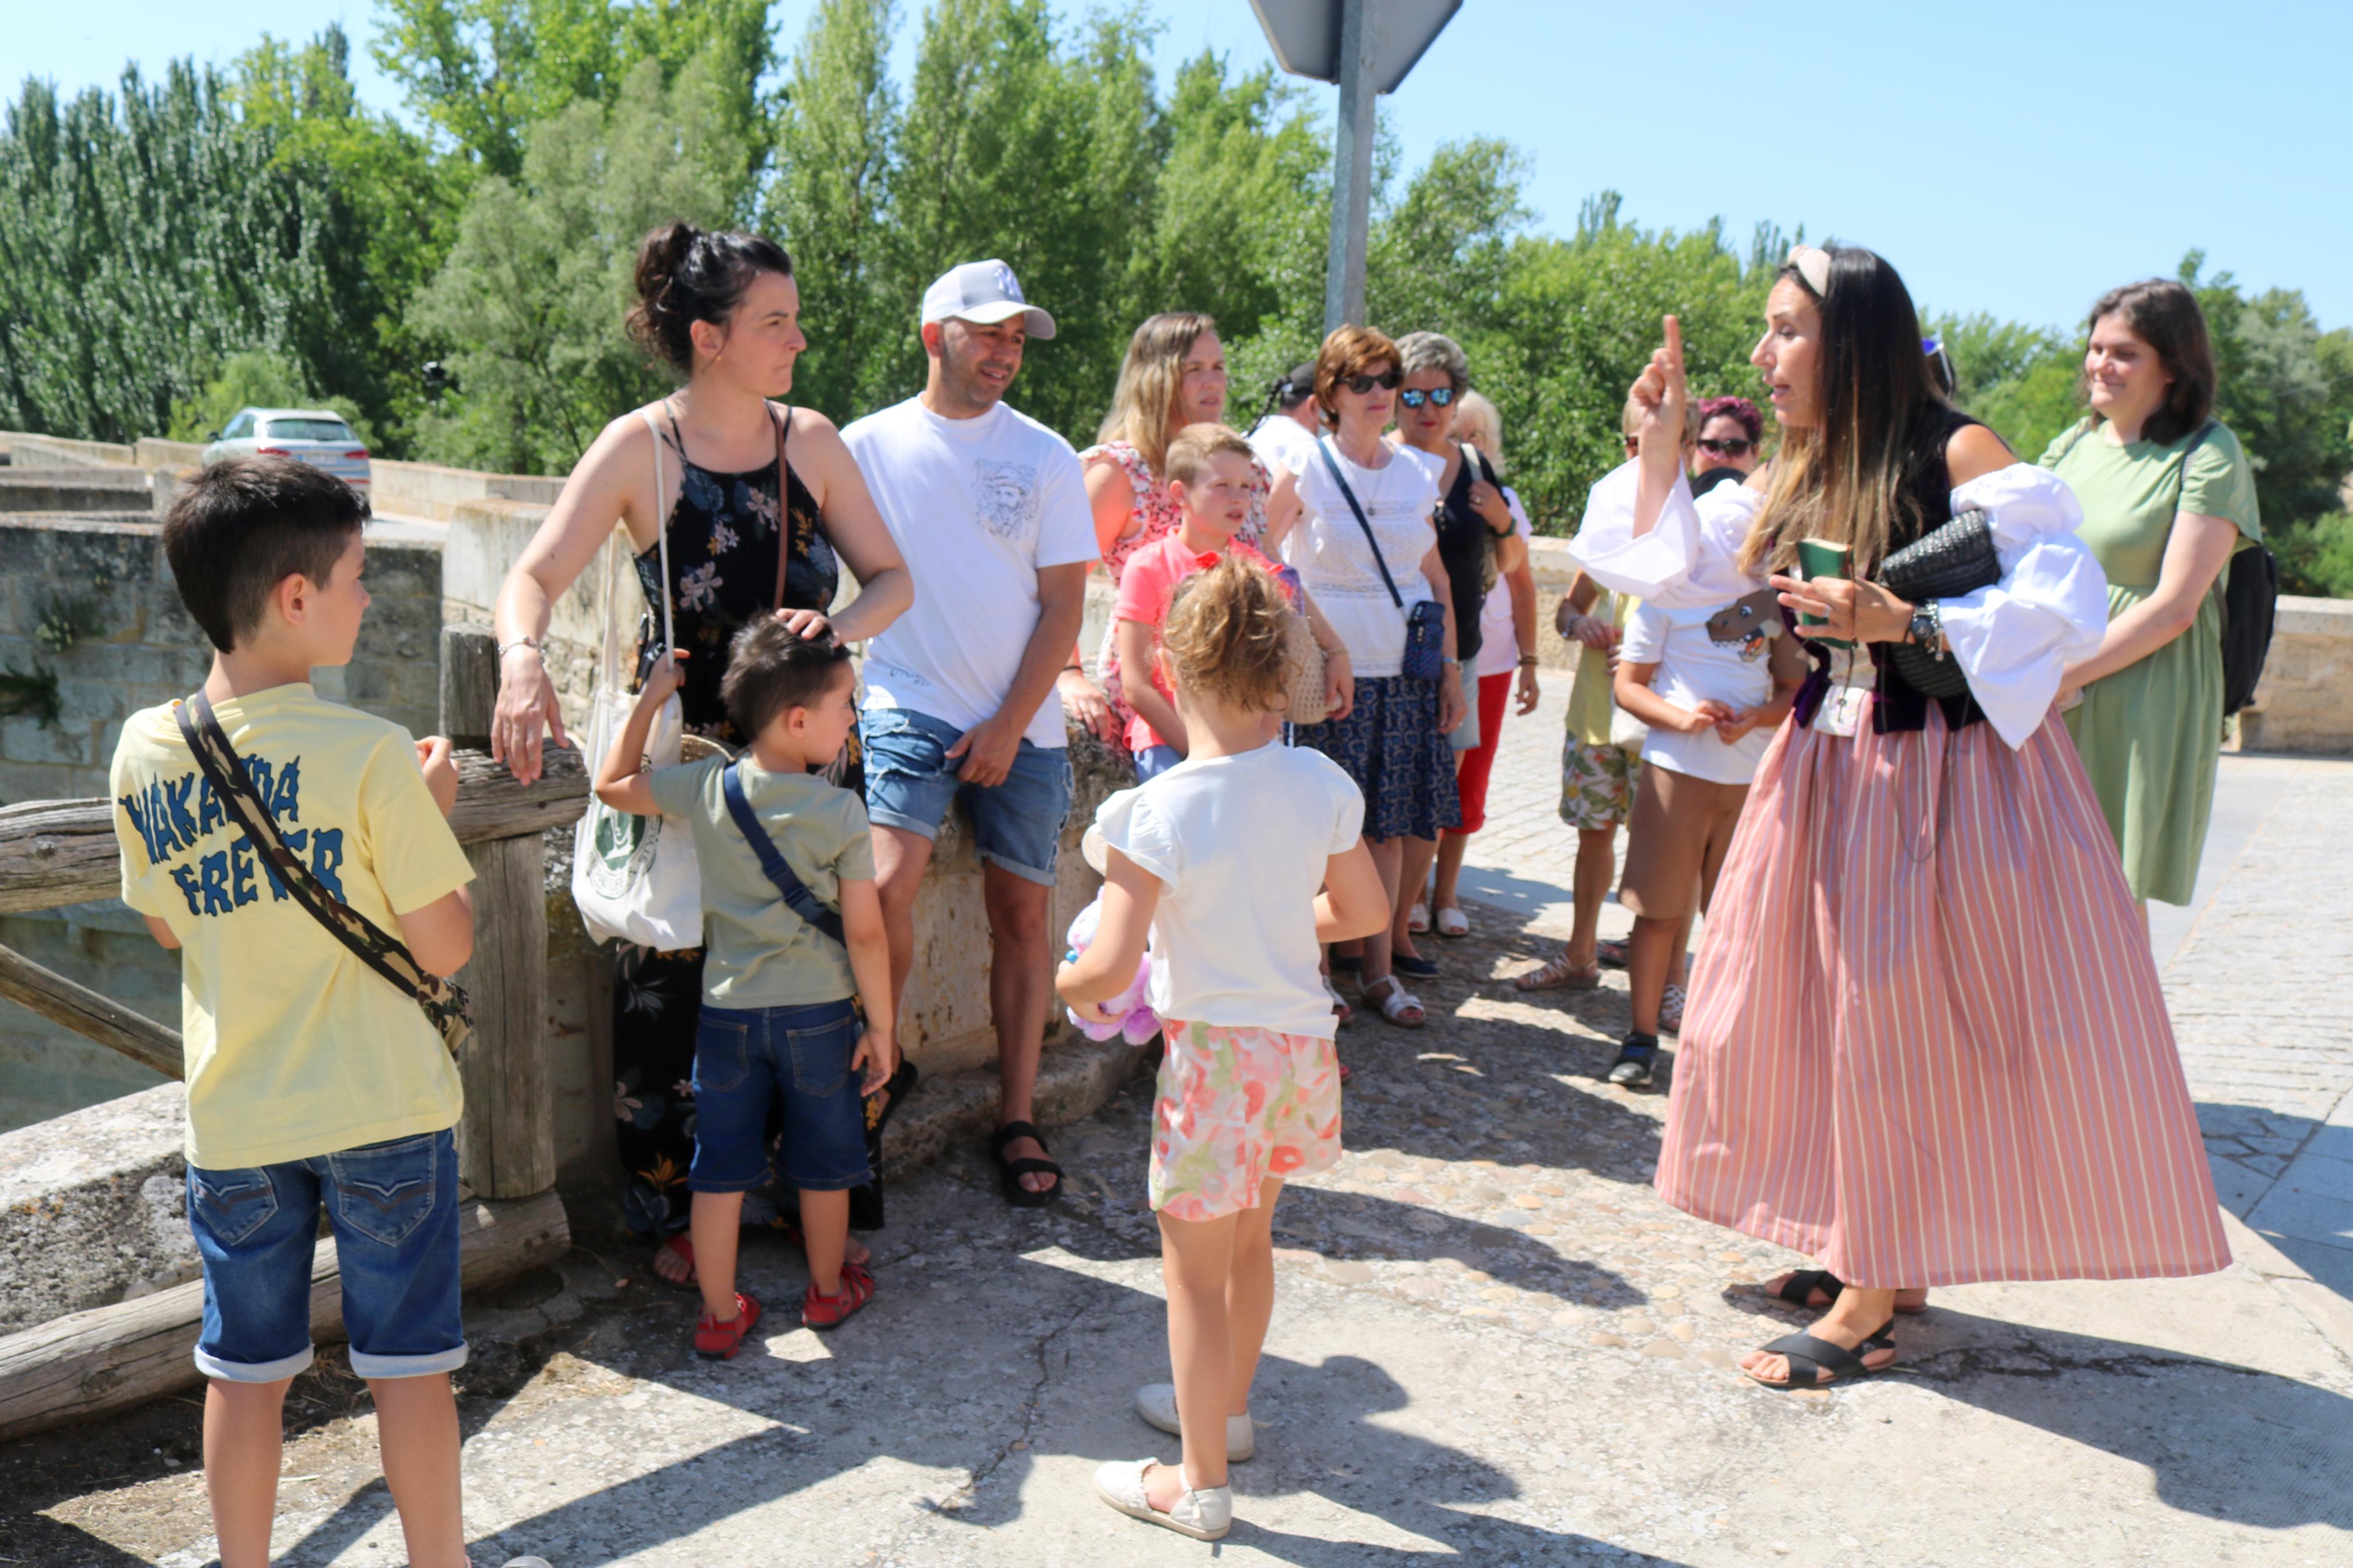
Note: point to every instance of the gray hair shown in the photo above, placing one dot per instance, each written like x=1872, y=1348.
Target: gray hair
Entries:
x=1418, y=352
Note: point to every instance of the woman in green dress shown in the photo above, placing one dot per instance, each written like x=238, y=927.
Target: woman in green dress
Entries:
x=2168, y=496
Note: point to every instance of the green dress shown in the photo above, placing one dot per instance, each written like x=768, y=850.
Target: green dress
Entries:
x=2150, y=735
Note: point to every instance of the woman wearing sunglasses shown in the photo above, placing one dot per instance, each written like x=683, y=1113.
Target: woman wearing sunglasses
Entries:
x=1730, y=446
x=1356, y=524
x=1925, y=1043
x=1478, y=541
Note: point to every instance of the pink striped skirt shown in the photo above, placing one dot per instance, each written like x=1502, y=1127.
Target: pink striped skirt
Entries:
x=1925, y=1044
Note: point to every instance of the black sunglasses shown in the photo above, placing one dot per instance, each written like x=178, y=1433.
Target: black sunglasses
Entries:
x=1437, y=396
x=1736, y=447
x=1387, y=380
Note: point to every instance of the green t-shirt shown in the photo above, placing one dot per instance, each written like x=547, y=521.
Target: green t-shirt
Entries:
x=2131, y=493
x=760, y=954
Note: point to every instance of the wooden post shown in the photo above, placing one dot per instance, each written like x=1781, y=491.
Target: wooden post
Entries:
x=91, y=1015
x=506, y=1145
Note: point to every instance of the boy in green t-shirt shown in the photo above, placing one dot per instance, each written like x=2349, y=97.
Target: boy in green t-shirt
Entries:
x=780, y=1015
x=311, y=1082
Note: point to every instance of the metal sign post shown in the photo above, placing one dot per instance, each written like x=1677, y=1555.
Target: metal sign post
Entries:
x=1366, y=46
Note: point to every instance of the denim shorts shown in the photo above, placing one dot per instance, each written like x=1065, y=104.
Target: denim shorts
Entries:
x=747, y=1058
x=911, y=782
x=394, y=1207
x=1154, y=761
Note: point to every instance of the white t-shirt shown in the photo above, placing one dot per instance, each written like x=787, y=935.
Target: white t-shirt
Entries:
x=1240, y=845
x=1499, y=646
x=1721, y=654
x=1282, y=442
x=1327, y=547
x=977, y=507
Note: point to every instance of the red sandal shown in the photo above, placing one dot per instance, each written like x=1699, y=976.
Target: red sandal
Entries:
x=715, y=1341
x=831, y=1311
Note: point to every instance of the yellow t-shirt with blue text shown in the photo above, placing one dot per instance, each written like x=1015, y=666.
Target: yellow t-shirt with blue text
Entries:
x=293, y=1047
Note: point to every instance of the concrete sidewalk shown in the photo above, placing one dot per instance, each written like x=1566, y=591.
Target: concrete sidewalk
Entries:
x=1493, y=1344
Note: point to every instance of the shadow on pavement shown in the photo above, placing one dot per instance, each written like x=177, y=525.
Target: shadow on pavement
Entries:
x=2226, y=1442
x=2291, y=1179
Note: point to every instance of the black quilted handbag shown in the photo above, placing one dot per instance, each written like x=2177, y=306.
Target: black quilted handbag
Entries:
x=1944, y=563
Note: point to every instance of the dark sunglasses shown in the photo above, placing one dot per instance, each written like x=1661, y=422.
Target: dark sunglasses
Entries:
x=1437, y=396
x=1736, y=447
x=1387, y=380
x=1633, y=446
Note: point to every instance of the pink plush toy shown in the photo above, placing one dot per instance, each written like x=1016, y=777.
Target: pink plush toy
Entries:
x=1136, y=1020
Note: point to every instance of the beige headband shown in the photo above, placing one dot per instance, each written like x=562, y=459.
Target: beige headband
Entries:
x=1813, y=266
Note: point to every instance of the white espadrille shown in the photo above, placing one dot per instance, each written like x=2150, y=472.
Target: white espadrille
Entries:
x=1157, y=1403
x=1205, y=1514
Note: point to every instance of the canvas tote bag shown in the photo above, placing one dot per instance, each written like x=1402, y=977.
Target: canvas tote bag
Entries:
x=635, y=877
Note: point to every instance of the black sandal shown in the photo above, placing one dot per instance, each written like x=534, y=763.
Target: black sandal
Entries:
x=1010, y=1171
x=1798, y=1289
x=1809, y=1357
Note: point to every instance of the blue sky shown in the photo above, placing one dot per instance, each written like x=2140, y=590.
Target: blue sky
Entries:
x=2010, y=157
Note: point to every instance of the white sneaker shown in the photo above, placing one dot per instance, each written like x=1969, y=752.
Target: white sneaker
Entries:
x=1205, y=1515
x=1157, y=1403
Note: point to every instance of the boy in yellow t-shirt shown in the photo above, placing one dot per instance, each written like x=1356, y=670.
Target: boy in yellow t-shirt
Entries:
x=311, y=1082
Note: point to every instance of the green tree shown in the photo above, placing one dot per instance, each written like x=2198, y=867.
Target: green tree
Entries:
x=829, y=204
x=483, y=71
x=2019, y=380
x=532, y=299
x=147, y=236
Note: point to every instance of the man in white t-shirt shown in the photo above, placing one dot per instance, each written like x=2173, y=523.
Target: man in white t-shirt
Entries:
x=990, y=511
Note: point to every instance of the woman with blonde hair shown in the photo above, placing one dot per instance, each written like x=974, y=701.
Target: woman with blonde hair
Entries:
x=1925, y=1043
x=1174, y=375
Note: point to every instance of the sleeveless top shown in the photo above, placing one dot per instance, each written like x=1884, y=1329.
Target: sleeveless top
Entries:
x=1466, y=545
x=1900, y=707
x=726, y=533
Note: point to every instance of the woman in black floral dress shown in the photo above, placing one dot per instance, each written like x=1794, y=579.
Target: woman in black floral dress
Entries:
x=749, y=487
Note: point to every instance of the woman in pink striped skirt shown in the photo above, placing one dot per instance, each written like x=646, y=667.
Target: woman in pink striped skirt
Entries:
x=1925, y=1043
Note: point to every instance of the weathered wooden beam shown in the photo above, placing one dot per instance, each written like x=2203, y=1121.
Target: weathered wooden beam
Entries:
x=506, y=1145
x=55, y=852
x=86, y=1364
x=470, y=682
x=89, y=1014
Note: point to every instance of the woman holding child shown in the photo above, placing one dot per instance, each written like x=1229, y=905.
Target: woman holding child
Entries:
x=1356, y=526
x=762, y=506
x=1925, y=1043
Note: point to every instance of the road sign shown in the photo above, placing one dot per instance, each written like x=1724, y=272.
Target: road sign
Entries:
x=1366, y=46
x=1305, y=35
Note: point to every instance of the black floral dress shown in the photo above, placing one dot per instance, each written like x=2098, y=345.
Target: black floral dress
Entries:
x=726, y=533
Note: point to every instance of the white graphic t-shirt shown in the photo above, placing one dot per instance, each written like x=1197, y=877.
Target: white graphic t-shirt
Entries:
x=977, y=506
x=1724, y=654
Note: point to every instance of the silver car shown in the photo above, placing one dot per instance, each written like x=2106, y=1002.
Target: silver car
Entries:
x=314, y=436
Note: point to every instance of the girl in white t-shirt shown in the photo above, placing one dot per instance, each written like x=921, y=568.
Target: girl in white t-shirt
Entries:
x=1713, y=685
x=1219, y=860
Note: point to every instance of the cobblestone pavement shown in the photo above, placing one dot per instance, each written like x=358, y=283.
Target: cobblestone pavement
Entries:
x=1493, y=1344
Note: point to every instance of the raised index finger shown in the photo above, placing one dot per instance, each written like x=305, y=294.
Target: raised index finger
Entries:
x=1674, y=345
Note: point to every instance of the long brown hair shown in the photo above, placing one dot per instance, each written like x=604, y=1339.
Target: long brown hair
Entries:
x=2165, y=315
x=1150, y=379
x=1842, y=479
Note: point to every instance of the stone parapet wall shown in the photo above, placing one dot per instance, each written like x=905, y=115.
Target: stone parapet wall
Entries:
x=2305, y=704
x=430, y=490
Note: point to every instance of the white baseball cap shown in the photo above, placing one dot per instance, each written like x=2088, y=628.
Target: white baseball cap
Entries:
x=985, y=292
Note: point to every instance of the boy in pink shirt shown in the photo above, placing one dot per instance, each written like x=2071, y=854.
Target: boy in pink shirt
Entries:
x=1211, y=477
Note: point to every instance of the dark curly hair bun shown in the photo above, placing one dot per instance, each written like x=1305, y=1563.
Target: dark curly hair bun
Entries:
x=687, y=275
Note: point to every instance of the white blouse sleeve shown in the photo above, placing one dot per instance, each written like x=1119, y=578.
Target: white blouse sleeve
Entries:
x=1689, y=561
x=2015, y=639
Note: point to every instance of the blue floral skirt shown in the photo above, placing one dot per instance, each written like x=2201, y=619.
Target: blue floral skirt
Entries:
x=1391, y=745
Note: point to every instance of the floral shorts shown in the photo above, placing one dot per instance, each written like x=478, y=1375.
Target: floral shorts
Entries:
x=1597, y=784
x=1236, y=1106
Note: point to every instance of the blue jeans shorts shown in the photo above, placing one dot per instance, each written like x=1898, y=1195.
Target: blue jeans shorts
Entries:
x=909, y=783
x=745, y=1060
x=1154, y=761
x=394, y=1207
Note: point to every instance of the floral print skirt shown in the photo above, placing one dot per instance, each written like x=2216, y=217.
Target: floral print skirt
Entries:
x=1391, y=745
x=1236, y=1106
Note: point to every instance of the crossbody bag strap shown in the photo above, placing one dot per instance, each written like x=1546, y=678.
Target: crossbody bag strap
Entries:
x=783, y=509
x=662, y=524
x=797, y=896
x=1323, y=446
x=370, y=943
